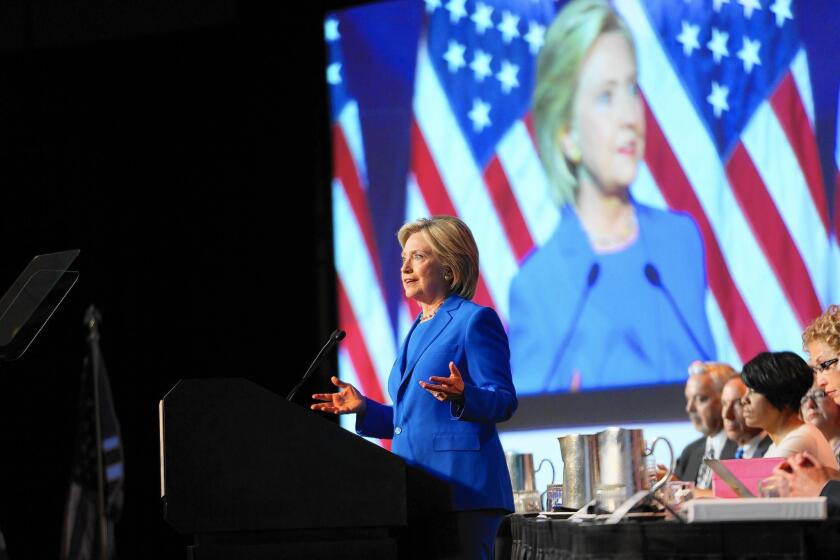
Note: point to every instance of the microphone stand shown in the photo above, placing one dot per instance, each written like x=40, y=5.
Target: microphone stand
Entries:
x=336, y=337
x=652, y=275
x=591, y=278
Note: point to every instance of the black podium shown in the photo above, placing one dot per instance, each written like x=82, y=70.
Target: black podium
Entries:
x=249, y=475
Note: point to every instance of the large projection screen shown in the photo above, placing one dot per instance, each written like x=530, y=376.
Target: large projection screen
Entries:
x=432, y=113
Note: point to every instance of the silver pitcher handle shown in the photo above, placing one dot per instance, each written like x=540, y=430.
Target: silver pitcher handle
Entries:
x=544, y=493
x=671, y=464
x=547, y=460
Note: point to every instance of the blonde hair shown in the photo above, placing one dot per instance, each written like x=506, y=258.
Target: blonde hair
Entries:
x=567, y=42
x=454, y=245
x=825, y=328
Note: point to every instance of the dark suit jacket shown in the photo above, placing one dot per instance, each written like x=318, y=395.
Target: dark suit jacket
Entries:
x=762, y=447
x=689, y=462
x=457, y=443
x=832, y=492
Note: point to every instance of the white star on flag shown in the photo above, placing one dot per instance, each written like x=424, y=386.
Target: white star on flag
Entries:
x=717, y=99
x=481, y=65
x=718, y=44
x=719, y=4
x=782, y=10
x=454, y=56
x=749, y=6
x=749, y=54
x=334, y=73
x=432, y=5
x=479, y=115
x=457, y=10
x=481, y=18
x=688, y=37
x=535, y=37
x=331, y=30
x=509, y=26
x=507, y=76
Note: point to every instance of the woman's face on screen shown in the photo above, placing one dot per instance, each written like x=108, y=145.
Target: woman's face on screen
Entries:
x=607, y=134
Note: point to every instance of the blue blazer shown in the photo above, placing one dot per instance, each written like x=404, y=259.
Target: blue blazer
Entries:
x=655, y=348
x=457, y=443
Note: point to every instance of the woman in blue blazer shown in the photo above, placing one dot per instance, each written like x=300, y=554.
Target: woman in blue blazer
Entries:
x=450, y=385
x=616, y=297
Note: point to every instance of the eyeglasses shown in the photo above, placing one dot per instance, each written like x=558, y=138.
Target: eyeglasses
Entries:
x=816, y=396
x=822, y=366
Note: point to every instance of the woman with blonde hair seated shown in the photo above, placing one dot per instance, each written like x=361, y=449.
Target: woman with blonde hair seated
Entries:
x=806, y=474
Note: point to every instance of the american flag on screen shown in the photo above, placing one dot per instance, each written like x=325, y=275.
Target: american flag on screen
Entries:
x=369, y=350
x=730, y=140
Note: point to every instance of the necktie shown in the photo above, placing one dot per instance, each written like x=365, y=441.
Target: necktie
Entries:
x=740, y=453
x=704, y=473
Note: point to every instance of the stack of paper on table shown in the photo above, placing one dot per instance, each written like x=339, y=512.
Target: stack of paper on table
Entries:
x=755, y=509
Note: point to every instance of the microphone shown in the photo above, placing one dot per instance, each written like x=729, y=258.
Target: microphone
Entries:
x=591, y=278
x=336, y=337
x=652, y=275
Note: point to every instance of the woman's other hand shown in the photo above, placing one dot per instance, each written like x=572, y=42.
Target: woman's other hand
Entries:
x=446, y=388
x=348, y=399
x=804, y=474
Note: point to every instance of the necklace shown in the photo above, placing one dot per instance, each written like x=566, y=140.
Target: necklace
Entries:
x=616, y=239
x=428, y=316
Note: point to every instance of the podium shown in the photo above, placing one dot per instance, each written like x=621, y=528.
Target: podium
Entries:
x=249, y=475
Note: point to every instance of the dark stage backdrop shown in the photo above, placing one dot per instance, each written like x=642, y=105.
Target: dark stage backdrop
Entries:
x=183, y=150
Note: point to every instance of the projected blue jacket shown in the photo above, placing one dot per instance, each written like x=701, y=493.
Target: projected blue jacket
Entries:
x=458, y=444
x=572, y=327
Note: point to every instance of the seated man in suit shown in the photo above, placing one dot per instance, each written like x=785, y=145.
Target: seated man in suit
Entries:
x=702, y=403
x=752, y=442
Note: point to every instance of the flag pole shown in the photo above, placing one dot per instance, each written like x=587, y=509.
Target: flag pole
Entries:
x=92, y=320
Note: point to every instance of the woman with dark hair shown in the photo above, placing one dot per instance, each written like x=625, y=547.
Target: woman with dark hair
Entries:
x=776, y=383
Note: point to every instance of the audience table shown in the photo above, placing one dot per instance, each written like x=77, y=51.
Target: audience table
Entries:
x=534, y=538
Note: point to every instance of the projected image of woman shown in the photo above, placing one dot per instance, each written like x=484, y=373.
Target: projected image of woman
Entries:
x=616, y=297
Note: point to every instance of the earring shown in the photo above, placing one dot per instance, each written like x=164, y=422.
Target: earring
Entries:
x=574, y=155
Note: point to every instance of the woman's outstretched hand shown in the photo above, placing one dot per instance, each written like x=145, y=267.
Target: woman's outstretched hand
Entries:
x=348, y=399
x=446, y=388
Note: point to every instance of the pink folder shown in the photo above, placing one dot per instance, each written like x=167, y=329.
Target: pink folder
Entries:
x=749, y=471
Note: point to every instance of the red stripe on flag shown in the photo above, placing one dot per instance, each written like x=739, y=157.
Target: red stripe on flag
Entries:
x=529, y=124
x=510, y=215
x=789, y=110
x=679, y=193
x=837, y=199
x=347, y=173
x=435, y=194
x=354, y=342
x=772, y=234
